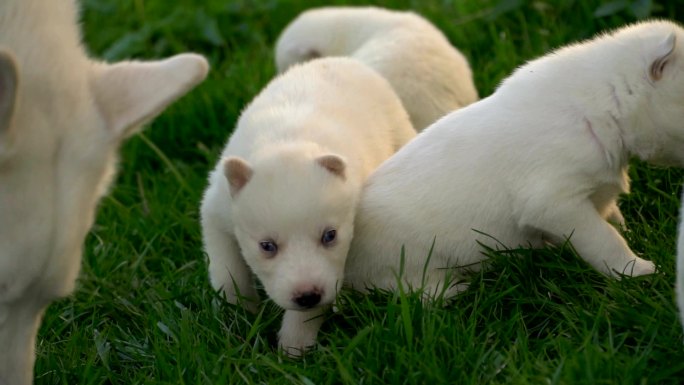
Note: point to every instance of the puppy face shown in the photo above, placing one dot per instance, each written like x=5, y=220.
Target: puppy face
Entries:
x=294, y=219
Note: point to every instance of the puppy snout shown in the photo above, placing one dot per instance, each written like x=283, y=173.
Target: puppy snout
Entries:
x=308, y=299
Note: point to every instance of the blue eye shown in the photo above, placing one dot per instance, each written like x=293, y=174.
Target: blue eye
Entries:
x=268, y=247
x=328, y=237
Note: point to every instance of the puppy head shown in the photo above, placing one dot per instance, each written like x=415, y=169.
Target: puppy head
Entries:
x=329, y=31
x=60, y=129
x=659, y=121
x=294, y=215
x=305, y=38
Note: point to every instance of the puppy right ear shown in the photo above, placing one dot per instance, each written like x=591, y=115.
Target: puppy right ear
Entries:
x=8, y=95
x=237, y=172
x=664, y=55
x=334, y=164
x=130, y=94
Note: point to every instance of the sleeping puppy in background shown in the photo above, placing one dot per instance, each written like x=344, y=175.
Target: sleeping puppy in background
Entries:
x=431, y=77
x=281, y=201
x=62, y=119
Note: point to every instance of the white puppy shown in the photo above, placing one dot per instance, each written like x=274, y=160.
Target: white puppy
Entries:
x=542, y=159
x=283, y=197
x=62, y=118
x=431, y=77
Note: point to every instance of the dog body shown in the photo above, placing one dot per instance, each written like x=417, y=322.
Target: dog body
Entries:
x=62, y=117
x=431, y=77
x=542, y=159
x=283, y=198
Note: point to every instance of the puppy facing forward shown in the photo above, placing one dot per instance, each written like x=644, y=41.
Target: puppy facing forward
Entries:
x=542, y=159
x=281, y=202
x=62, y=119
x=431, y=77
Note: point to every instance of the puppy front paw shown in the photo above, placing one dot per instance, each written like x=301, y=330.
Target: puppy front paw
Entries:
x=299, y=331
x=296, y=344
x=638, y=267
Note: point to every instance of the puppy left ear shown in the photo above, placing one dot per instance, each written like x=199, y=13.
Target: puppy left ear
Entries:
x=333, y=163
x=664, y=54
x=130, y=94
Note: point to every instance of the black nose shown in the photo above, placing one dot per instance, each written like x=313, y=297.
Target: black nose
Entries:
x=308, y=299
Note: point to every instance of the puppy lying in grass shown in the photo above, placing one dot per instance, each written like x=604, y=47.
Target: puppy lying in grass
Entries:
x=282, y=199
x=62, y=118
x=542, y=159
x=431, y=77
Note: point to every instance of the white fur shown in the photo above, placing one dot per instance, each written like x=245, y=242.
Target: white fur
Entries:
x=542, y=159
x=679, y=285
x=278, y=189
x=431, y=77
x=62, y=117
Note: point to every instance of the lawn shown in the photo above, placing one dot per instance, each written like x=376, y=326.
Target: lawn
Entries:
x=144, y=312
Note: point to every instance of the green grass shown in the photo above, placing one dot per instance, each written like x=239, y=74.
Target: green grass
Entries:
x=144, y=312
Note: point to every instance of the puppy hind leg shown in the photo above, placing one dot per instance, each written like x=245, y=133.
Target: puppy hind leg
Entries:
x=614, y=216
x=446, y=287
x=594, y=239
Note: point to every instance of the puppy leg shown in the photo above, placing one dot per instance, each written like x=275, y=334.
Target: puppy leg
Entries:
x=19, y=323
x=299, y=330
x=228, y=271
x=614, y=216
x=437, y=290
x=594, y=239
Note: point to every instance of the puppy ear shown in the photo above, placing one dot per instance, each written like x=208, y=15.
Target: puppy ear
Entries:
x=309, y=54
x=664, y=55
x=238, y=173
x=8, y=95
x=130, y=94
x=333, y=163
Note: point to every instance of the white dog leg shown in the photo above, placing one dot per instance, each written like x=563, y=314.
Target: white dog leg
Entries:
x=19, y=324
x=228, y=271
x=299, y=330
x=594, y=239
x=615, y=217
